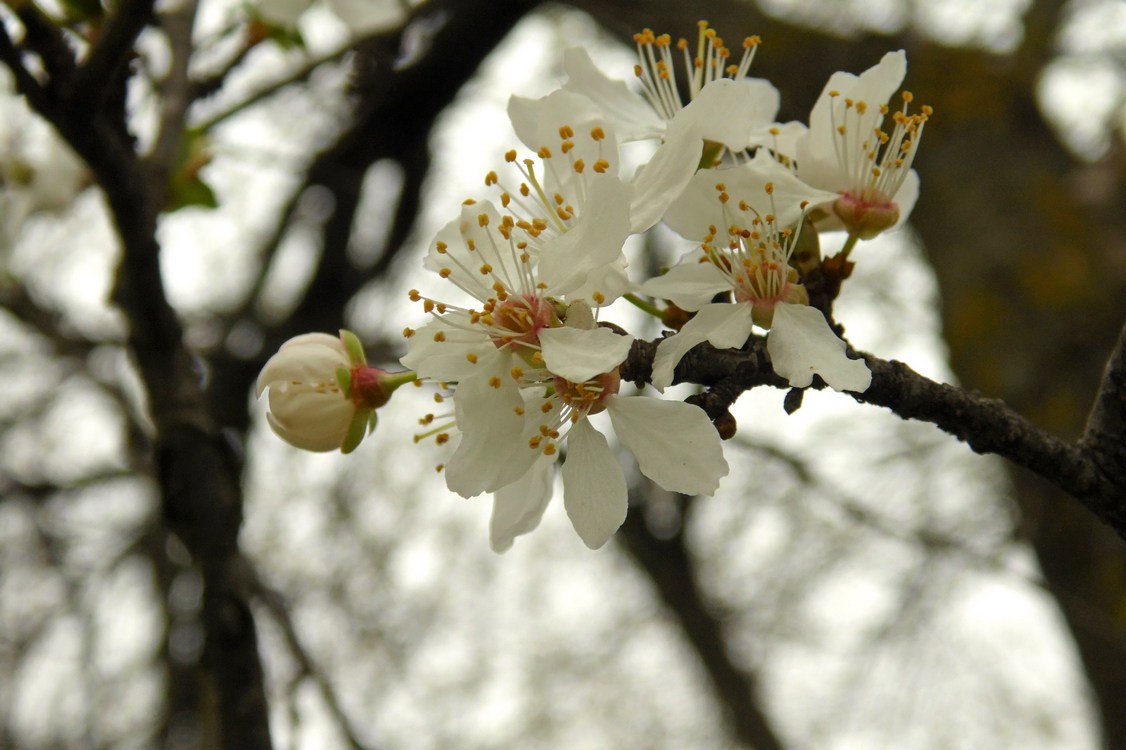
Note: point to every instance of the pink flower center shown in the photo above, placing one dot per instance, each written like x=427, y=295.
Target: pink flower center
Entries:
x=589, y=396
x=866, y=212
x=518, y=320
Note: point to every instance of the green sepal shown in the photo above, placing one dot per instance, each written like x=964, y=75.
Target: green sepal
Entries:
x=356, y=430
x=354, y=348
x=344, y=380
x=373, y=420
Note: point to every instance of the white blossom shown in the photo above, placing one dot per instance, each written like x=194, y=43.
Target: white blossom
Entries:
x=746, y=252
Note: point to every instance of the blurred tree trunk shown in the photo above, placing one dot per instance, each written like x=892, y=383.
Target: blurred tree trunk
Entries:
x=1029, y=246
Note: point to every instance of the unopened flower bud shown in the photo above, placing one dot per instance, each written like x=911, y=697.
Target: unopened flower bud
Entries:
x=323, y=396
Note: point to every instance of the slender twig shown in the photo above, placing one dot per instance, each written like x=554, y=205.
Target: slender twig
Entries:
x=275, y=605
x=1092, y=470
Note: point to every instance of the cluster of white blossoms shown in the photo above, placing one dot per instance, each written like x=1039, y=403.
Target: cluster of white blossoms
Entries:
x=513, y=334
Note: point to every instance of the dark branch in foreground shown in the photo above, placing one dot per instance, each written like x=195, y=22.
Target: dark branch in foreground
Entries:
x=1092, y=470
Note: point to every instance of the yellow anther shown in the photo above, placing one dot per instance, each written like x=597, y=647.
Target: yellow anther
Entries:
x=494, y=381
x=440, y=336
x=472, y=358
x=408, y=332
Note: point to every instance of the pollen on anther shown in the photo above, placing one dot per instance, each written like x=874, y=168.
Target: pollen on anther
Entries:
x=442, y=438
x=516, y=373
x=545, y=407
x=444, y=272
x=597, y=134
x=510, y=156
x=494, y=381
x=549, y=449
x=440, y=336
x=408, y=332
x=472, y=358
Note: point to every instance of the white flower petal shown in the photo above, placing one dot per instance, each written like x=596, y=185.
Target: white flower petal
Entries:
x=447, y=359
x=320, y=435
x=611, y=281
x=594, y=240
x=724, y=325
x=725, y=110
x=578, y=355
x=801, y=343
x=818, y=161
x=689, y=286
x=594, y=488
x=308, y=358
x=493, y=452
x=675, y=443
x=518, y=507
x=661, y=180
x=906, y=197
x=537, y=123
x=632, y=117
x=699, y=207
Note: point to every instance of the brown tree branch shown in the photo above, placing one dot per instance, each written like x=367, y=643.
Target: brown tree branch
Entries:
x=1104, y=438
x=99, y=74
x=1092, y=470
x=199, y=478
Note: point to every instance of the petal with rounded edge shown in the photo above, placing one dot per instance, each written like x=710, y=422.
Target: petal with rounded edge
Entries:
x=689, y=286
x=724, y=325
x=632, y=117
x=675, y=443
x=594, y=487
x=699, y=208
x=448, y=358
x=493, y=452
x=518, y=507
x=578, y=355
x=801, y=344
